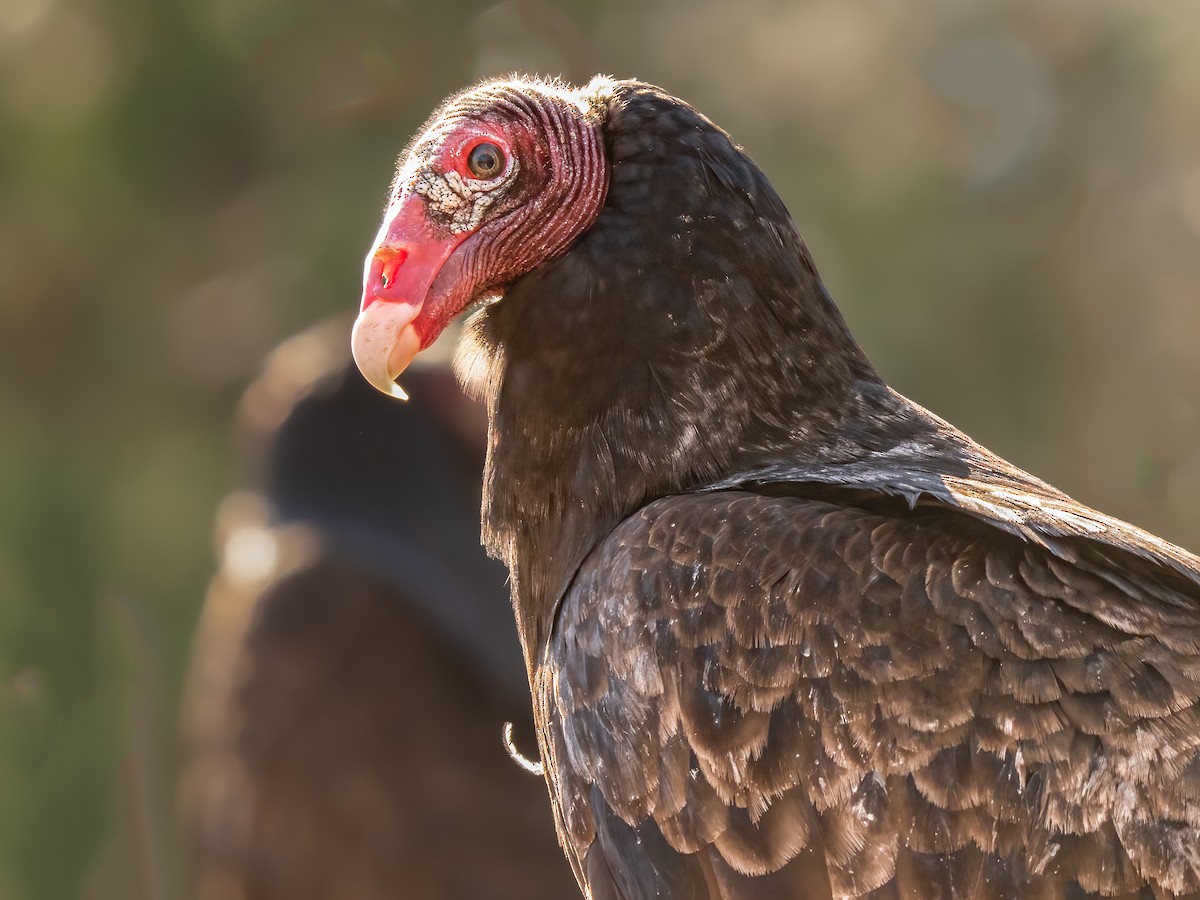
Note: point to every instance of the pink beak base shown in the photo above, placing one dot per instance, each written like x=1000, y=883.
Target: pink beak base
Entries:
x=399, y=269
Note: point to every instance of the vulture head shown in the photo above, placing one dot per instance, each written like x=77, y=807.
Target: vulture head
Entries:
x=502, y=178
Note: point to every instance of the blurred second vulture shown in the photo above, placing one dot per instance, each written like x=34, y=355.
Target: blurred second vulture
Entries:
x=356, y=658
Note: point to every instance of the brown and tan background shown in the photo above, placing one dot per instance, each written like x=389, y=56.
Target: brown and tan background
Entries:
x=1003, y=197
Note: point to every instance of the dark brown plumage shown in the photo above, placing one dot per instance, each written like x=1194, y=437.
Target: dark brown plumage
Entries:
x=789, y=634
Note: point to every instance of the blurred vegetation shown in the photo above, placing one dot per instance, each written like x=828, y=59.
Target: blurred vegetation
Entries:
x=1005, y=198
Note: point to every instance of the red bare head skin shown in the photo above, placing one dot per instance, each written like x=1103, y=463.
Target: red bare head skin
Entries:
x=504, y=177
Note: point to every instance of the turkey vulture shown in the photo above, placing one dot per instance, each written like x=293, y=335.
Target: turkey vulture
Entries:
x=788, y=633
x=355, y=661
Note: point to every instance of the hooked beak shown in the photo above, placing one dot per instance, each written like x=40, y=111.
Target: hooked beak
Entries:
x=402, y=264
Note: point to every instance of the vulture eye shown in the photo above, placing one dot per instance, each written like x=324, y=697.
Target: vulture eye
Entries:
x=486, y=161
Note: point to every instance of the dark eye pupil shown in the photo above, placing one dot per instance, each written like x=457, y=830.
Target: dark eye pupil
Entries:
x=485, y=161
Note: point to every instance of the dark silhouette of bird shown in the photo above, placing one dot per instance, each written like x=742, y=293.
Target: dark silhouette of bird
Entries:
x=355, y=659
x=788, y=633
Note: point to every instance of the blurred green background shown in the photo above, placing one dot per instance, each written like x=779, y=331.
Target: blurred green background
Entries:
x=1005, y=199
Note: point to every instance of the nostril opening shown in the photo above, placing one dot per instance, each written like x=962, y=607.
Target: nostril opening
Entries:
x=392, y=260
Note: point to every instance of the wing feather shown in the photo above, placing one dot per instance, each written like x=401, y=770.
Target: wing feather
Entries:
x=771, y=696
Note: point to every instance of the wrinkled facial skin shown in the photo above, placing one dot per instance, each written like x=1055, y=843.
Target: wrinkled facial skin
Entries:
x=437, y=168
x=460, y=203
x=455, y=231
